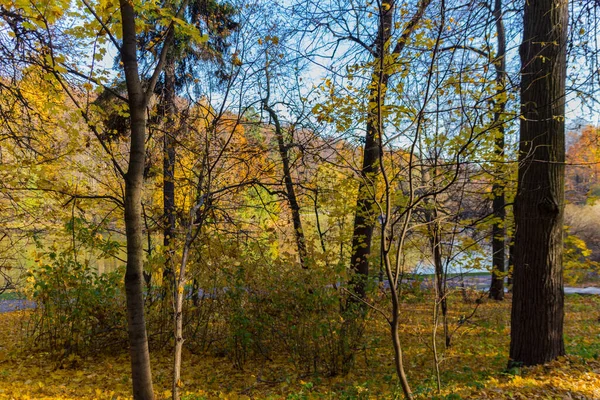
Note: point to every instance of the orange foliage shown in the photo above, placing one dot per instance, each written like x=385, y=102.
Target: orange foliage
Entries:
x=582, y=178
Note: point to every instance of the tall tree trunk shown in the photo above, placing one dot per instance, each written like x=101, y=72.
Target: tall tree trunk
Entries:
x=169, y=111
x=178, y=320
x=196, y=220
x=499, y=202
x=364, y=218
x=289, y=185
x=138, y=341
x=138, y=98
x=440, y=275
x=538, y=299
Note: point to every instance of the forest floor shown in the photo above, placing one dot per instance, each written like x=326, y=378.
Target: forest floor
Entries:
x=472, y=368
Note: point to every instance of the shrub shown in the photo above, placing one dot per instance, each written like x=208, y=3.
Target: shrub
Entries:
x=577, y=263
x=293, y=312
x=77, y=310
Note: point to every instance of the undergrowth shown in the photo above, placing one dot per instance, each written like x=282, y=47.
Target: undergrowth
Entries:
x=473, y=368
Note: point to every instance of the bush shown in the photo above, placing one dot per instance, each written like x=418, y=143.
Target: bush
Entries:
x=577, y=263
x=292, y=312
x=77, y=310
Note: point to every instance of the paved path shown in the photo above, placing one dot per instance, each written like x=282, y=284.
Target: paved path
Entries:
x=584, y=290
x=13, y=305
x=482, y=282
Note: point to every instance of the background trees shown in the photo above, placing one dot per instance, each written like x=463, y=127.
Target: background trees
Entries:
x=582, y=166
x=281, y=167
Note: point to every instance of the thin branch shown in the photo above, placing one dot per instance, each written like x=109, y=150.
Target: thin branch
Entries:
x=411, y=27
x=110, y=35
x=356, y=297
x=95, y=81
x=163, y=55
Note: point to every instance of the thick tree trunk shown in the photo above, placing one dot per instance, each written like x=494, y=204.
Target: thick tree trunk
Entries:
x=537, y=309
x=499, y=203
x=138, y=342
x=138, y=97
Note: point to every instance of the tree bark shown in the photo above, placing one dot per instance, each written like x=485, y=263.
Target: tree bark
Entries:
x=538, y=299
x=138, y=341
x=169, y=110
x=440, y=274
x=178, y=320
x=364, y=218
x=499, y=202
x=289, y=185
x=137, y=98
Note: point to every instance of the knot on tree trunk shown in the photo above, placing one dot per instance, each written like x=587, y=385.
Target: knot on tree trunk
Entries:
x=548, y=206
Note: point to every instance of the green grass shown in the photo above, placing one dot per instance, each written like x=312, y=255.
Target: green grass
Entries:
x=11, y=295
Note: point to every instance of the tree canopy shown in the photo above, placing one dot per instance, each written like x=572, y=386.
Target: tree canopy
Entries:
x=297, y=180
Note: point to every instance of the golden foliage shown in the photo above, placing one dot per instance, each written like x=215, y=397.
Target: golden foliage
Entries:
x=473, y=368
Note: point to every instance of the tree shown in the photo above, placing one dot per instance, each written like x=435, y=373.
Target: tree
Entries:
x=138, y=98
x=289, y=183
x=49, y=51
x=499, y=200
x=538, y=300
x=215, y=22
x=200, y=209
x=271, y=43
x=364, y=219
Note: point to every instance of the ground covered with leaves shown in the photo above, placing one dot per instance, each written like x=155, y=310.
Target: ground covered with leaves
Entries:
x=472, y=368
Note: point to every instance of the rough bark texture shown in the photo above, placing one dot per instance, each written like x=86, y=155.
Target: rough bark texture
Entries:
x=138, y=342
x=499, y=203
x=537, y=309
